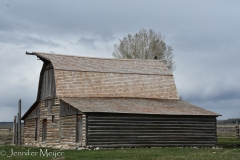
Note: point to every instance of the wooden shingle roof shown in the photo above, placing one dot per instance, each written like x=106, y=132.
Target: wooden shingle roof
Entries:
x=109, y=65
x=101, y=77
x=137, y=106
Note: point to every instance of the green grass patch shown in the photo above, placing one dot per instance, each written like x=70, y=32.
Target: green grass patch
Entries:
x=230, y=150
x=229, y=142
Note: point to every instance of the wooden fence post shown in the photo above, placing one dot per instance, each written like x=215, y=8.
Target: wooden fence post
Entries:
x=14, y=130
x=17, y=129
x=19, y=123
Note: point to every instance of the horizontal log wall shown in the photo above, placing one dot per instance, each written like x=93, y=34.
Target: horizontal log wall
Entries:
x=29, y=131
x=68, y=130
x=129, y=130
x=53, y=128
x=53, y=125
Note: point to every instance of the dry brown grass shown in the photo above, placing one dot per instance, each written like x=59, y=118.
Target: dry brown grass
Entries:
x=5, y=137
x=226, y=130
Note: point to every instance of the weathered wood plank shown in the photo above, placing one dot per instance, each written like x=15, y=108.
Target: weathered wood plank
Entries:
x=67, y=110
x=150, y=145
x=47, y=83
x=152, y=117
x=147, y=124
x=96, y=121
x=147, y=137
x=155, y=142
x=68, y=129
x=118, y=130
x=139, y=127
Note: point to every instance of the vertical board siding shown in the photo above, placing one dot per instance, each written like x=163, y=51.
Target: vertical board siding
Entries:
x=84, y=130
x=68, y=129
x=79, y=129
x=53, y=92
x=129, y=130
x=35, y=113
x=48, y=88
x=67, y=110
x=50, y=79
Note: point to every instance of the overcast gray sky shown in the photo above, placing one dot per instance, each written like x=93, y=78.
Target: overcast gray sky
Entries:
x=204, y=36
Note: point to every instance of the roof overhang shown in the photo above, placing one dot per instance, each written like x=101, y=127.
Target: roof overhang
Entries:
x=137, y=106
x=35, y=104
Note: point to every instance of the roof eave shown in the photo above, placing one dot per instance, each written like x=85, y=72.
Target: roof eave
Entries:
x=30, y=110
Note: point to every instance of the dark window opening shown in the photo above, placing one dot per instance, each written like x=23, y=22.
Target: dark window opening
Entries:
x=36, y=126
x=78, y=128
x=44, y=130
x=52, y=119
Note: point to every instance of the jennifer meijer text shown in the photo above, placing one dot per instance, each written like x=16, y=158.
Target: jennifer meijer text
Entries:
x=41, y=153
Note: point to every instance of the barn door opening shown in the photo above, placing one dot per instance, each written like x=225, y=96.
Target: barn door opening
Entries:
x=79, y=129
x=36, y=126
x=44, y=130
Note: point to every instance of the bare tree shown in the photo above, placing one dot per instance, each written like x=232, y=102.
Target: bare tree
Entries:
x=145, y=45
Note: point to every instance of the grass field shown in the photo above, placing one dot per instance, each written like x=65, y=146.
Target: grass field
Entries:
x=229, y=150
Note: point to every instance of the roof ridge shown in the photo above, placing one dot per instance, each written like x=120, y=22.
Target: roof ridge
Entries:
x=98, y=57
x=113, y=72
x=153, y=99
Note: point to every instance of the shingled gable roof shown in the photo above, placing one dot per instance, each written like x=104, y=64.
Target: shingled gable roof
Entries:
x=104, y=77
x=137, y=106
x=109, y=65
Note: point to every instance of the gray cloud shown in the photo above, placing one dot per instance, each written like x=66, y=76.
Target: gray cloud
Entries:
x=25, y=40
x=88, y=42
x=4, y=26
x=207, y=41
x=33, y=40
x=91, y=42
x=209, y=80
x=228, y=108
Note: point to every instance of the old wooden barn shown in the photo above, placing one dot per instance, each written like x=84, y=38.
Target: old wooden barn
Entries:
x=99, y=102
